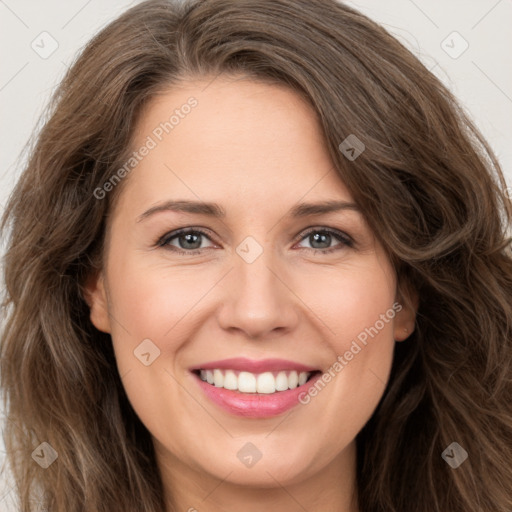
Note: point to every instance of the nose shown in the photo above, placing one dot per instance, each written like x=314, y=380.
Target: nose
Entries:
x=258, y=299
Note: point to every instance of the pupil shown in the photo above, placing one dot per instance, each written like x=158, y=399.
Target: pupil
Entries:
x=324, y=238
x=189, y=239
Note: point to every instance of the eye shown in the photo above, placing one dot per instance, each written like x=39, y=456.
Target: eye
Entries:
x=187, y=241
x=190, y=240
x=320, y=239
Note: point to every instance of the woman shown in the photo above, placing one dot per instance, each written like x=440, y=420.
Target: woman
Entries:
x=259, y=258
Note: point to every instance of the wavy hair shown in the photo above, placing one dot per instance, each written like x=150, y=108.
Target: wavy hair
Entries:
x=427, y=183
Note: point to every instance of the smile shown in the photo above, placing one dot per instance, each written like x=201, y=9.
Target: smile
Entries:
x=247, y=382
x=254, y=389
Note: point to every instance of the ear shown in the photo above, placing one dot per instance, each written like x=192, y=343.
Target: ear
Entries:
x=96, y=297
x=405, y=318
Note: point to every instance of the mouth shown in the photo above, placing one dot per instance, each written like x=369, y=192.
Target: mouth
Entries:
x=249, y=383
x=254, y=389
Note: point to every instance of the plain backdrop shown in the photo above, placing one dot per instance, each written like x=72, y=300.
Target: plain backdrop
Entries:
x=466, y=43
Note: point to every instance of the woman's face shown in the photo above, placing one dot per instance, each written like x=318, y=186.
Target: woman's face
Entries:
x=276, y=287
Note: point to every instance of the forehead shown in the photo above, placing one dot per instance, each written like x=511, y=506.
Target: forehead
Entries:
x=231, y=140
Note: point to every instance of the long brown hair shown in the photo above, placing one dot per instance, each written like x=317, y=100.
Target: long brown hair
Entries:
x=428, y=184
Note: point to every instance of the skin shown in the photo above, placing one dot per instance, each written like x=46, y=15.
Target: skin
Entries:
x=256, y=150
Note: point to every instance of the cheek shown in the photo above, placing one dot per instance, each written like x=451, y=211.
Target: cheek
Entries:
x=360, y=315
x=153, y=302
x=350, y=301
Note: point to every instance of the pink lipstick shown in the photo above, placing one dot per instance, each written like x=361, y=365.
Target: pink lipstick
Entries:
x=254, y=388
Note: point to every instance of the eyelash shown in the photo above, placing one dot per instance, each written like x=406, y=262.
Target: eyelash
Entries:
x=345, y=240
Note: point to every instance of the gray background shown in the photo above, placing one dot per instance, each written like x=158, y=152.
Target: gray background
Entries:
x=480, y=76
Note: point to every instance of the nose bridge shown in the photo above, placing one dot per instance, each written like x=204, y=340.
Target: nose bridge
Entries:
x=257, y=301
x=256, y=280
x=256, y=285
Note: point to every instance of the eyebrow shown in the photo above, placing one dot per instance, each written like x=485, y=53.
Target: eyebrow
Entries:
x=216, y=211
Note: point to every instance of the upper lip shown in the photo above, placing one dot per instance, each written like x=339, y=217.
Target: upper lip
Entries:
x=255, y=366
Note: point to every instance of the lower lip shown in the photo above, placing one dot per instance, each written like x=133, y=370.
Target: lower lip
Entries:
x=255, y=405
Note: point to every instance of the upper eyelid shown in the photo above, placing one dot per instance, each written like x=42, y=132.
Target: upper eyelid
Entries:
x=327, y=229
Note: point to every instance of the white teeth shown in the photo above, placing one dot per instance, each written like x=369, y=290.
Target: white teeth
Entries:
x=230, y=380
x=266, y=383
x=293, y=380
x=281, y=382
x=218, y=378
x=247, y=382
